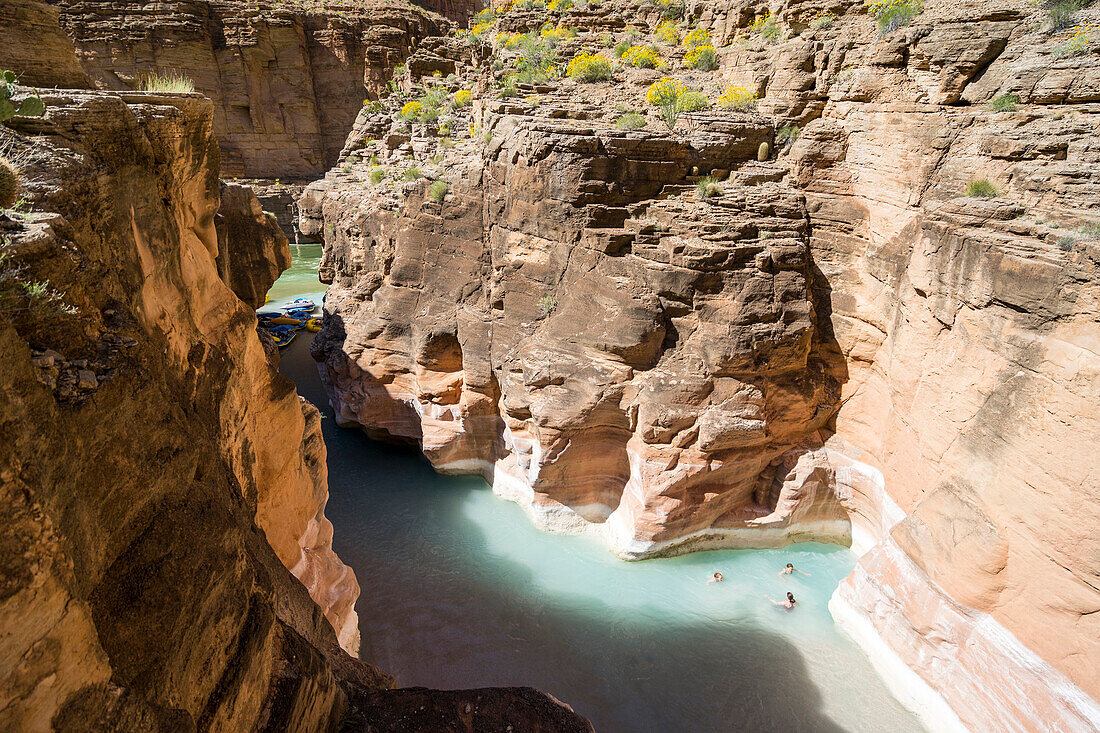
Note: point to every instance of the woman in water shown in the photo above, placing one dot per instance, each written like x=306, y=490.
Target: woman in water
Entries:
x=790, y=570
x=787, y=604
x=716, y=578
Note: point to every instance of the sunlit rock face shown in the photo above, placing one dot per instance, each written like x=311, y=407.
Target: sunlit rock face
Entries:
x=842, y=344
x=286, y=82
x=651, y=364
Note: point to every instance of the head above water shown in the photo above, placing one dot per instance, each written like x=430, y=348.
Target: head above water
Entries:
x=790, y=597
x=790, y=566
x=717, y=576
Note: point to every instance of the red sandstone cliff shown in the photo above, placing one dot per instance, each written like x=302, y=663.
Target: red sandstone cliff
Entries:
x=167, y=561
x=286, y=81
x=841, y=344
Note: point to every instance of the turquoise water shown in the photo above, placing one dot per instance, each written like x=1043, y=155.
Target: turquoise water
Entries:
x=460, y=590
x=301, y=278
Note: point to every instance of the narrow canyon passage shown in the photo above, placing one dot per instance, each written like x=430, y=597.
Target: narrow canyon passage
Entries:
x=461, y=590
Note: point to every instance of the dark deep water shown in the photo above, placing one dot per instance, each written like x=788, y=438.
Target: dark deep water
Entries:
x=460, y=590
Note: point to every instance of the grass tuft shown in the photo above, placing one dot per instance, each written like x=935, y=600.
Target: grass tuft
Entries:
x=708, y=188
x=437, y=191
x=630, y=121
x=169, y=82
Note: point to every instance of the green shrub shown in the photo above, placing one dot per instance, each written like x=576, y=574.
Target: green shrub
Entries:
x=787, y=134
x=982, y=188
x=1091, y=230
x=437, y=191
x=376, y=175
x=1004, y=103
x=823, y=19
x=1060, y=13
x=630, y=121
x=893, y=14
x=412, y=174
x=692, y=101
x=622, y=47
x=708, y=188
x=169, y=82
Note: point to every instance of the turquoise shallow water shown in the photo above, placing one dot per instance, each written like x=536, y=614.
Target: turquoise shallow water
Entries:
x=460, y=590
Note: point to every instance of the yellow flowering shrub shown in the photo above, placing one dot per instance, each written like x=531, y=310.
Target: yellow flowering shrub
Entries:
x=480, y=28
x=559, y=5
x=513, y=41
x=463, y=98
x=642, y=57
x=738, y=97
x=589, y=67
x=767, y=27
x=664, y=91
x=698, y=37
x=666, y=31
x=411, y=110
x=704, y=58
x=1078, y=40
x=556, y=35
x=667, y=94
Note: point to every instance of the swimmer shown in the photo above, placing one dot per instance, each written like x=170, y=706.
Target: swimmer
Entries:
x=787, y=604
x=791, y=570
x=716, y=578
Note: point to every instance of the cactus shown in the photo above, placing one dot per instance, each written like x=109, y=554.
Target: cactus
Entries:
x=9, y=181
x=763, y=152
x=29, y=107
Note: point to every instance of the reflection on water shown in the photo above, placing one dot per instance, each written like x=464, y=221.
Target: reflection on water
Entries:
x=460, y=590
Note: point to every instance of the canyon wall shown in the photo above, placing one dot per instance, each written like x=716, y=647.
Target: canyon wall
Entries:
x=287, y=80
x=836, y=342
x=168, y=565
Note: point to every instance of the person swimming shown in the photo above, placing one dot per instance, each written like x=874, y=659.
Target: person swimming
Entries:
x=791, y=570
x=716, y=578
x=787, y=604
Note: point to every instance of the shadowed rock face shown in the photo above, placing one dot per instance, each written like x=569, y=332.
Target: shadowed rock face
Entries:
x=840, y=345
x=149, y=441
x=286, y=83
x=167, y=565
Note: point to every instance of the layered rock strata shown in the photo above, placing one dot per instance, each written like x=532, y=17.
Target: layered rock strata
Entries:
x=286, y=79
x=158, y=477
x=838, y=343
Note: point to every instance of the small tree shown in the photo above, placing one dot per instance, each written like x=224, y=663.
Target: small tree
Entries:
x=667, y=94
